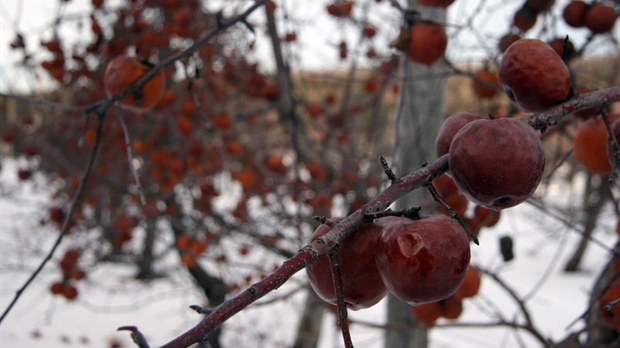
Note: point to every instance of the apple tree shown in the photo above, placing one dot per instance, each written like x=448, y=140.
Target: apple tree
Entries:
x=167, y=142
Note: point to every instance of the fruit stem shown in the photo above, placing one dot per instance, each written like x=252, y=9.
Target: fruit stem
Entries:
x=453, y=214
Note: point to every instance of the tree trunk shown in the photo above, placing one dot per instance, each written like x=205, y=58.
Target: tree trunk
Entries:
x=594, y=199
x=310, y=324
x=419, y=119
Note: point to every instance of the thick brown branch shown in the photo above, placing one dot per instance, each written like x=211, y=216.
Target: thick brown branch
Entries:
x=597, y=99
x=307, y=255
x=398, y=189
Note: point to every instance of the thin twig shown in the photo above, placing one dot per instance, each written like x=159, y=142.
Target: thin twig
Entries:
x=453, y=214
x=137, y=336
x=308, y=254
x=341, y=306
x=134, y=173
x=529, y=326
x=66, y=223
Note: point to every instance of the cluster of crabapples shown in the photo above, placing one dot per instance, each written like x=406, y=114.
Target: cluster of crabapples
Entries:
x=419, y=260
x=597, y=17
x=71, y=272
x=494, y=163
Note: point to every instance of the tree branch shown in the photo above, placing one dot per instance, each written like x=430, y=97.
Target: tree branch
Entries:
x=309, y=253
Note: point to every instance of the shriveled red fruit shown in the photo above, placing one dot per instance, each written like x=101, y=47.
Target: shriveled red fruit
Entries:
x=314, y=110
x=445, y=186
x=428, y=42
x=57, y=288
x=122, y=72
x=452, y=307
x=69, y=292
x=615, y=130
x=340, y=9
x=424, y=260
x=486, y=217
x=449, y=128
x=457, y=202
x=470, y=285
x=533, y=75
x=600, y=18
x=427, y=313
x=574, y=14
x=497, y=163
x=590, y=145
x=436, y=3
x=558, y=46
x=473, y=224
x=524, y=19
x=507, y=40
x=485, y=84
x=362, y=284
x=610, y=317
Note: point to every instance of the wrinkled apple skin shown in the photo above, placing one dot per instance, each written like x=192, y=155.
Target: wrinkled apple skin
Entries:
x=424, y=260
x=533, y=76
x=497, y=163
x=362, y=284
x=449, y=128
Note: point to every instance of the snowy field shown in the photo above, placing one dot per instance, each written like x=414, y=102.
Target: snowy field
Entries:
x=160, y=309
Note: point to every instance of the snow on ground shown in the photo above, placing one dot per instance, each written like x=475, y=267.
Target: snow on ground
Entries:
x=160, y=308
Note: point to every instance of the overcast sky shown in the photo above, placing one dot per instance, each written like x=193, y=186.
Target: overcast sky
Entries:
x=317, y=33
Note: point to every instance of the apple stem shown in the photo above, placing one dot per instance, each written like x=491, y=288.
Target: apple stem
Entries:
x=453, y=214
x=338, y=290
x=565, y=51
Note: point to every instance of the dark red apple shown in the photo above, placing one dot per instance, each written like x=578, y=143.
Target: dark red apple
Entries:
x=533, y=75
x=449, y=128
x=362, y=284
x=424, y=260
x=497, y=163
